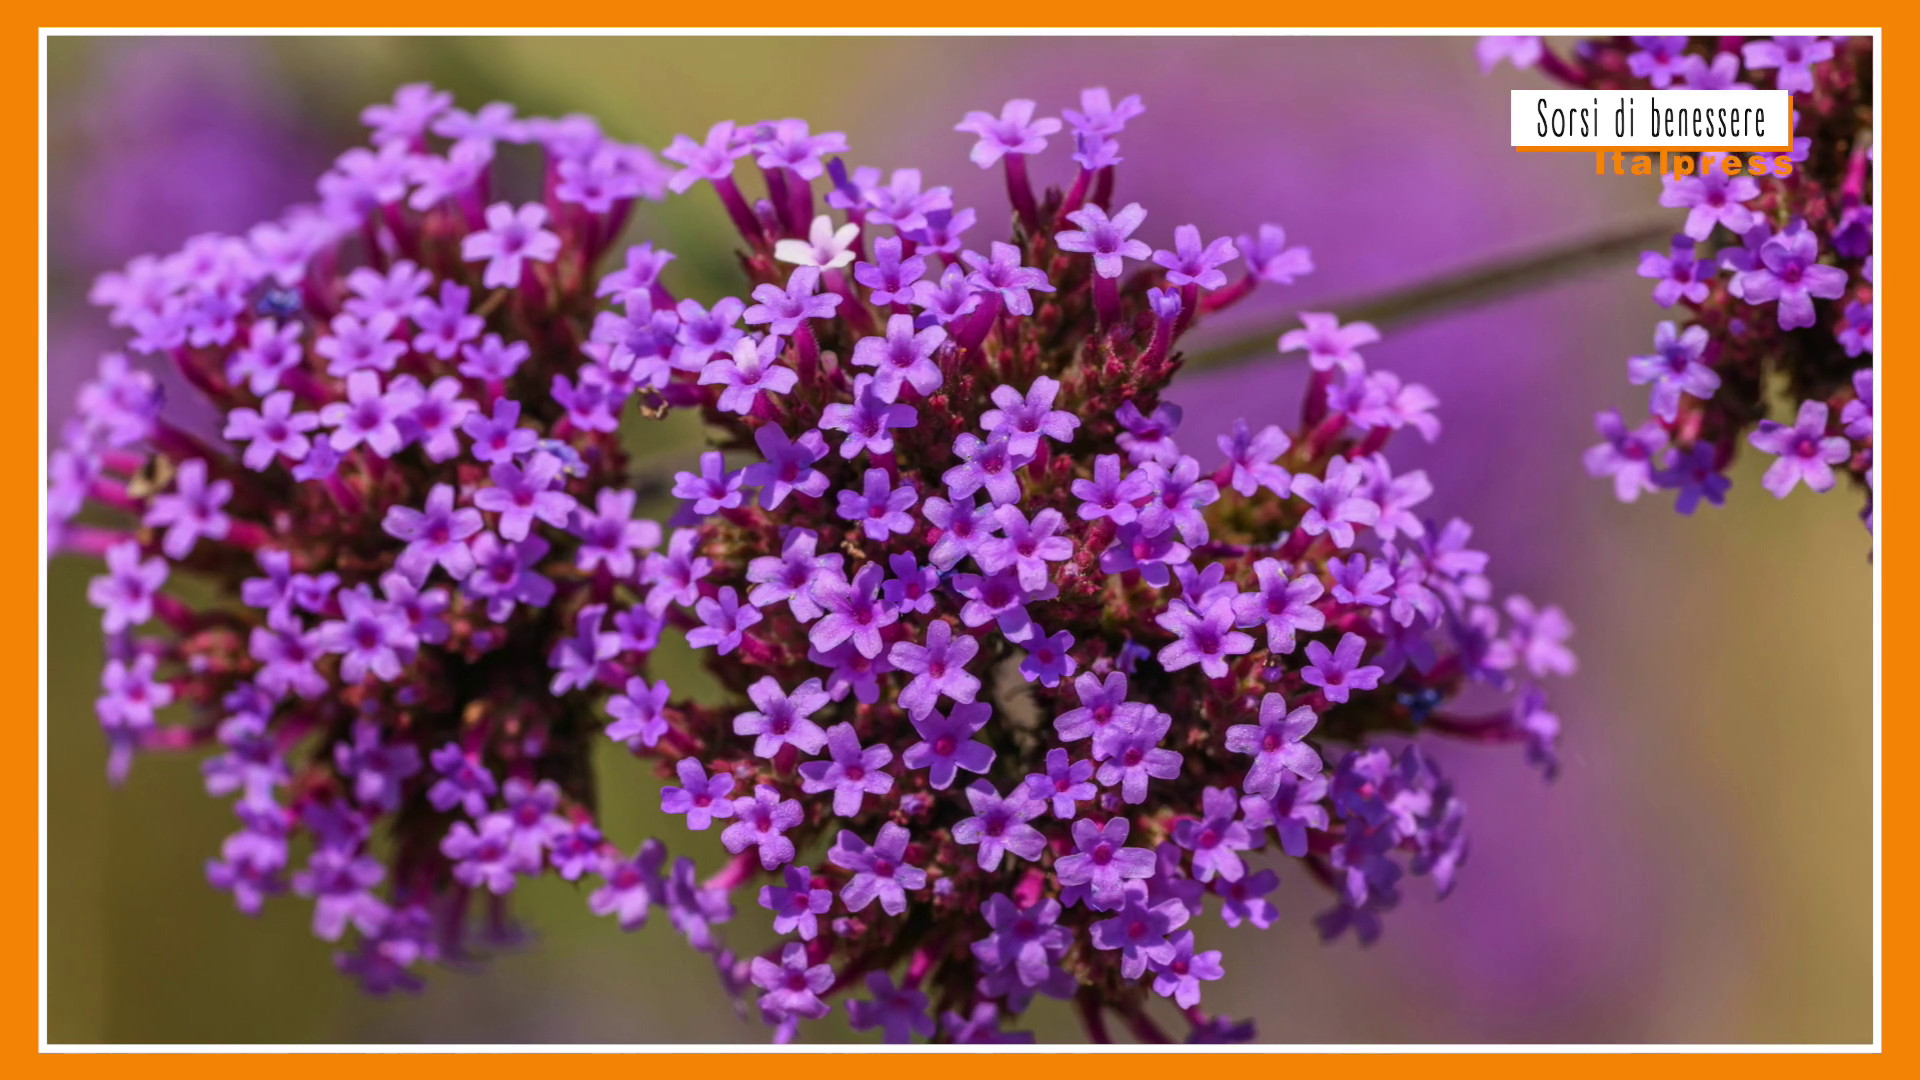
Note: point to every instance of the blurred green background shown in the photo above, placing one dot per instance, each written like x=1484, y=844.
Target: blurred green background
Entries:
x=1700, y=872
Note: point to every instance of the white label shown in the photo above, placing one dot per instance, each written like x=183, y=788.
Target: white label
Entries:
x=1652, y=119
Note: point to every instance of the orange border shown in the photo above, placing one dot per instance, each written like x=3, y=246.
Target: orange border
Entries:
x=20, y=544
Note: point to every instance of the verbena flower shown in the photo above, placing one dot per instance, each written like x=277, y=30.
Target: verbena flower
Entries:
x=1771, y=277
x=1009, y=683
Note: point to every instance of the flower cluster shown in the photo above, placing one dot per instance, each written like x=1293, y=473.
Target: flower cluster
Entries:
x=1772, y=276
x=1013, y=687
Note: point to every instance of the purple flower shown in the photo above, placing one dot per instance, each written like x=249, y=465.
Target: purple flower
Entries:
x=1064, y=783
x=1339, y=672
x=521, y=495
x=796, y=905
x=1014, y=131
x=504, y=574
x=1027, y=547
x=1790, y=273
x=1856, y=335
x=760, y=820
x=879, y=872
x=191, y=510
x=1328, y=344
x=125, y=592
x=912, y=588
x=891, y=277
x=963, y=527
x=904, y=357
x=851, y=773
x=1245, y=899
x=1628, y=456
x=786, y=311
x=713, y=489
x=632, y=886
x=275, y=430
x=1270, y=259
x=370, y=636
x=1711, y=198
x=947, y=743
x=1026, y=944
x=854, y=611
x=271, y=351
x=900, y=1014
x=1858, y=413
x=1134, y=757
x=437, y=412
x=1793, y=56
x=1104, y=714
x=1109, y=494
x=370, y=414
x=1695, y=474
x=356, y=345
x=1003, y=274
x=1024, y=420
x=1000, y=825
x=1523, y=50
x=788, y=466
x=1291, y=811
x=1658, y=60
x=1805, y=451
x=341, y=881
x=445, y=326
x=1203, y=636
x=711, y=160
x=939, y=668
x=1190, y=263
x=1105, y=238
x=879, y=508
x=436, y=535
x=1139, y=931
x=1679, y=276
x=675, y=575
x=990, y=464
x=1178, y=496
x=700, y=797
x=511, y=239
x=791, y=575
x=723, y=621
x=1253, y=456
x=998, y=598
x=793, y=987
x=499, y=437
x=1217, y=839
x=1276, y=745
x=1334, y=507
x=1048, y=659
x=782, y=718
x=464, y=781
x=1098, y=115
x=750, y=371
x=1674, y=368
x=947, y=300
x=868, y=422
x=1179, y=976
x=1539, y=636
x=483, y=858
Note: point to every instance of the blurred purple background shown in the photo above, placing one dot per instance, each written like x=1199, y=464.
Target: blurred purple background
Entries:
x=1700, y=872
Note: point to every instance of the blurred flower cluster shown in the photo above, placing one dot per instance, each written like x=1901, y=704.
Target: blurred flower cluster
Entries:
x=1013, y=688
x=1772, y=275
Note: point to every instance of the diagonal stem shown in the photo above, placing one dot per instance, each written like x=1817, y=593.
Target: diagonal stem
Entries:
x=1456, y=290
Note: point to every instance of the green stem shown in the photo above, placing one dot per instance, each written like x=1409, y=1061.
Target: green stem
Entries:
x=1455, y=291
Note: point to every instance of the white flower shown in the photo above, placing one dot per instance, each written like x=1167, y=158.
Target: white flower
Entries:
x=824, y=247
